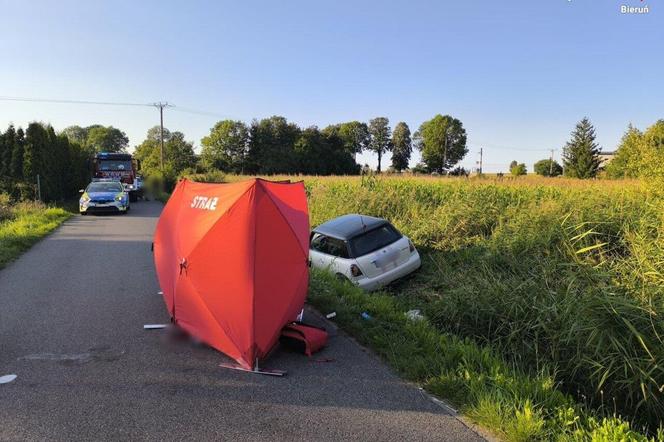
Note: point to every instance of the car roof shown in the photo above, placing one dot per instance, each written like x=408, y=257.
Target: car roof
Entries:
x=349, y=226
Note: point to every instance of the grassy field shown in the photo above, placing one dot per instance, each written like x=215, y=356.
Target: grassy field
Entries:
x=23, y=224
x=560, y=280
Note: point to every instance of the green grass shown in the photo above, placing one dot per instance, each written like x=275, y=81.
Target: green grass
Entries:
x=23, y=225
x=560, y=281
x=511, y=402
x=563, y=274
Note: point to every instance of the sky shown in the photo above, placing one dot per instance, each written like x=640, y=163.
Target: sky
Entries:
x=518, y=74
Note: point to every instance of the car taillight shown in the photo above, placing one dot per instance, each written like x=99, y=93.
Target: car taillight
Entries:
x=411, y=246
x=355, y=270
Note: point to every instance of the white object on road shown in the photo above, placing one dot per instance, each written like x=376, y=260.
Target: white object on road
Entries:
x=160, y=292
x=331, y=315
x=6, y=379
x=414, y=315
x=154, y=326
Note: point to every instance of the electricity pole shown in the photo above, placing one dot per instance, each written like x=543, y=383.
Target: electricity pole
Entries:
x=161, y=107
x=481, y=152
x=551, y=163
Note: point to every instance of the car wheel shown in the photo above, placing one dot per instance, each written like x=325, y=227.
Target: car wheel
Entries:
x=342, y=277
x=133, y=198
x=83, y=213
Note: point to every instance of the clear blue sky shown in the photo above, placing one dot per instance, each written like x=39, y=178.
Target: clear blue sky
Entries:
x=519, y=74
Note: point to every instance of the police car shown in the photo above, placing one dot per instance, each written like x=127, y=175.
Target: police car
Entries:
x=104, y=196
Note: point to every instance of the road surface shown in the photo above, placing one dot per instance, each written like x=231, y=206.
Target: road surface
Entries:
x=72, y=311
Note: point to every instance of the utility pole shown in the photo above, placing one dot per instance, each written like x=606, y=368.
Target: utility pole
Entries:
x=481, y=152
x=161, y=107
x=445, y=151
x=551, y=163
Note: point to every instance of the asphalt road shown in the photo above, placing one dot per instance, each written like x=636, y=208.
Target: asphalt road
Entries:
x=72, y=311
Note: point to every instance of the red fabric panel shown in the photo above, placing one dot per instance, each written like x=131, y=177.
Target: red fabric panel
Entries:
x=165, y=246
x=281, y=266
x=195, y=316
x=221, y=270
x=232, y=262
x=291, y=200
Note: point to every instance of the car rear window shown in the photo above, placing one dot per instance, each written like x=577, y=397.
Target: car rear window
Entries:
x=374, y=239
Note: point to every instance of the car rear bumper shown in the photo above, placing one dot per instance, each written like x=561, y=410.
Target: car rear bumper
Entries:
x=370, y=284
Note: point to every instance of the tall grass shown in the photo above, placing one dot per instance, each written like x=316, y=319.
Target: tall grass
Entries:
x=23, y=224
x=514, y=403
x=557, y=273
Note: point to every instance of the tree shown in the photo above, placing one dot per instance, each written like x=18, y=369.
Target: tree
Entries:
x=581, y=153
x=353, y=134
x=76, y=134
x=459, y=171
x=226, y=146
x=154, y=134
x=420, y=168
x=271, y=146
x=7, y=141
x=313, y=153
x=323, y=153
x=401, y=146
x=16, y=168
x=107, y=139
x=652, y=162
x=628, y=157
x=35, y=146
x=548, y=167
x=97, y=138
x=380, y=142
x=442, y=141
x=518, y=169
x=178, y=155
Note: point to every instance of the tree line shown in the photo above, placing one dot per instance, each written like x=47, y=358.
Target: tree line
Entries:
x=38, y=151
x=640, y=154
x=276, y=146
x=273, y=145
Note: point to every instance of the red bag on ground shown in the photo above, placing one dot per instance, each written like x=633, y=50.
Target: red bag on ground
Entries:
x=304, y=338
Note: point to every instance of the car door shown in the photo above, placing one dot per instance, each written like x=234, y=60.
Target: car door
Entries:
x=318, y=251
x=329, y=253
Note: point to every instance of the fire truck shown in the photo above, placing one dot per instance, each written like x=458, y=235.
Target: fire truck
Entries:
x=119, y=166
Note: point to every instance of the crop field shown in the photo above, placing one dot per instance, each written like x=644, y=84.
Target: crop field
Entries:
x=559, y=278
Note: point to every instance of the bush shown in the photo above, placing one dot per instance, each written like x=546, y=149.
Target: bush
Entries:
x=518, y=169
x=548, y=167
x=5, y=209
x=212, y=176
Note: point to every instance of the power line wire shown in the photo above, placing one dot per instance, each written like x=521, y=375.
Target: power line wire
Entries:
x=64, y=101
x=113, y=103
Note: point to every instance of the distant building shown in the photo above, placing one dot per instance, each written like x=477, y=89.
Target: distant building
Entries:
x=605, y=158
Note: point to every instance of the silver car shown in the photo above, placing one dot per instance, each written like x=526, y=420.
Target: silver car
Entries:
x=367, y=251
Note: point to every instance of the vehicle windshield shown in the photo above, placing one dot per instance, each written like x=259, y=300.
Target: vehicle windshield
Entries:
x=374, y=239
x=107, y=165
x=104, y=187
